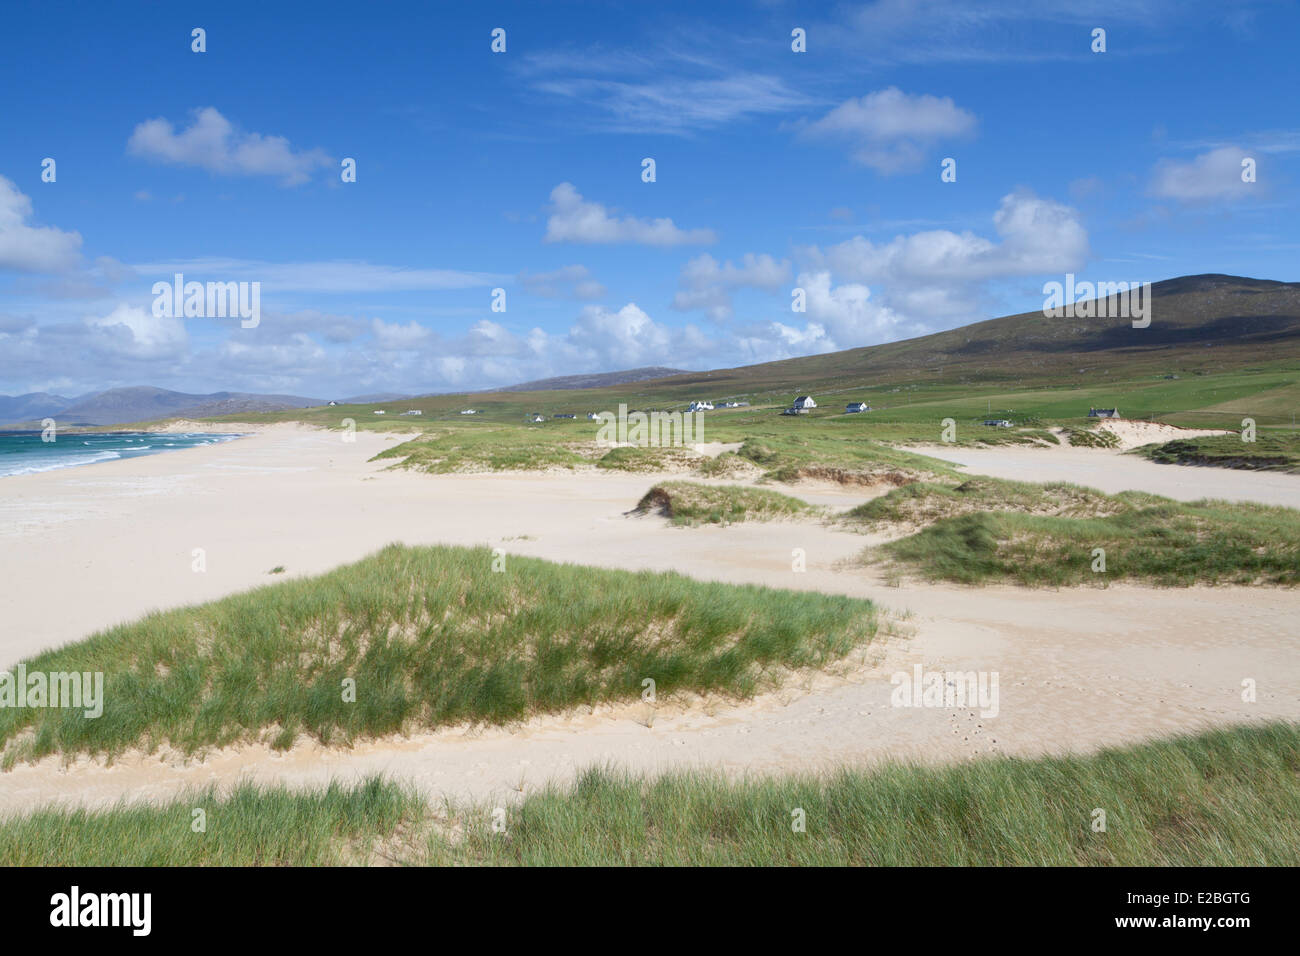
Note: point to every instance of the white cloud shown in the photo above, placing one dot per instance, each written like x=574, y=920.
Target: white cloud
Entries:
x=1037, y=236
x=137, y=333
x=671, y=89
x=1210, y=176
x=707, y=284
x=212, y=142
x=939, y=274
x=892, y=130
x=574, y=219
x=28, y=248
x=392, y=336
x=846, y=313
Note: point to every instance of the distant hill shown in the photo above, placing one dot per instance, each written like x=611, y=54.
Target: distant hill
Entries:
x=33, y=406
x=140, y=403
x=373, y=397
x=1205, y=322
x=594, y=380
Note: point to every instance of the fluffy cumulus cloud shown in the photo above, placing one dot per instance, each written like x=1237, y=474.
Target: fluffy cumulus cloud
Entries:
x=213, y=143
x=938, y=273
x=891, y=131
x=574, y=219
x=28, y=248
x=707, y=284
x=136, y=333
x=1214, y=175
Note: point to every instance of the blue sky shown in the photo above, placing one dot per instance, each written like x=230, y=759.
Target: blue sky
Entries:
x=522, y=171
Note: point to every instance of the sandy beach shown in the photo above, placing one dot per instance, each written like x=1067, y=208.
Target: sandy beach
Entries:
x=83, y=548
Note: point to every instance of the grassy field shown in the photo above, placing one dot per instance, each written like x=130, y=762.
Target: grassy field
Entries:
x=691, y=503
x=431, y=637
x=1223, y=798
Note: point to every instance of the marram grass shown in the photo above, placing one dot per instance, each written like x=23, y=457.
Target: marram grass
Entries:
x=1003, y=532
x=431, y=636
x=1223, y=798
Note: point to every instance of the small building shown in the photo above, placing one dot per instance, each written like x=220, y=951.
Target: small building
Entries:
x=804, y=401
x=470, y=411
x=700, y=407
x=537, y=419
x=333, y=403
x=593, y=417
x=854, y=407
x=380, y=411
x=564, y=415
x=413, y=411
x=997, y=423
x=1103, y=413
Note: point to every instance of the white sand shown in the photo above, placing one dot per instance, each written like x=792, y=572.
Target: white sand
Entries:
x=1079, y=669
x=1111, y=471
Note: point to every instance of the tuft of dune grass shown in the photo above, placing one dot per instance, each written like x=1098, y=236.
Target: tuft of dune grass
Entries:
x=250, y=826
x=691, y=503
x=428, y=637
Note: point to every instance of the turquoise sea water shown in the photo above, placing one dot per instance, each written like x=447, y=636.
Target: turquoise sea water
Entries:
x=24, y=453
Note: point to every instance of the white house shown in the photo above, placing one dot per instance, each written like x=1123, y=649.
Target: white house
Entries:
x=413, y=411
x=1103, y=413
x=857, y=407
x=333, y=403
x=804, y=401
x=470, y=411
x=537, y=419
x=593, y=417
x=700, y=407
x=380, y=411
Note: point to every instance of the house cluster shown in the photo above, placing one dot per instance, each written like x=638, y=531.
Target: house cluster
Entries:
x=1104, y=413
x=710, y=406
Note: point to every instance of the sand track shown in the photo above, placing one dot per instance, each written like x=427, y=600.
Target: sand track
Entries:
x=1078, y=669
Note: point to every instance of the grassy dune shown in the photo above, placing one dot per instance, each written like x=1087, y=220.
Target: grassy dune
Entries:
x=987, y=530
x=431, y=636
x=1271, y=451
x=1225, y=798
x=691, y=503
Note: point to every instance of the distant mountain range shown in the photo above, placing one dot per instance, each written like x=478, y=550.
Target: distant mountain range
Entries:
x=137, y=404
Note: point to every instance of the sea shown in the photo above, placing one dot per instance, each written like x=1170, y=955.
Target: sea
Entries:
x=24, y=453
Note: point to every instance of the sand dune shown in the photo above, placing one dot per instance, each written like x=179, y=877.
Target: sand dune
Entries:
x=1078, y=669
